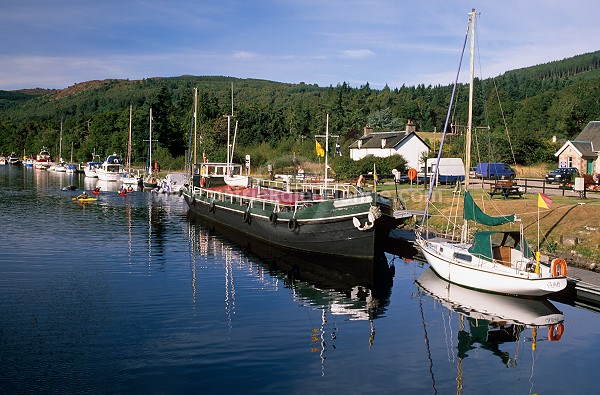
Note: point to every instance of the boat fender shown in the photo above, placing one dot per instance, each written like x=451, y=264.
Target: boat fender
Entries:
x=273, y=218
x=180, y=192
x=554, y=267
x=202, y=182
x=193, y=200
x=292, y=224
x=211, y=206
x=555, y=335
x=247, y=216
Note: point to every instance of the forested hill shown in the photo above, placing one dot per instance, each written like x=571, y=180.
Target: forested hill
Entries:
x=535, y=103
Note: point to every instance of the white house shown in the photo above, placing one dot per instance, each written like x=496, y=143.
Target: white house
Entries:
x=383, y=144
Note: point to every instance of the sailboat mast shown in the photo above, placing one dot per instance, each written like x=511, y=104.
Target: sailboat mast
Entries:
x=326, y=149
x=229, y=132
x=150, y=145
x=195, y=122
x=464, y=233
x=60, y=142
x=128, y=165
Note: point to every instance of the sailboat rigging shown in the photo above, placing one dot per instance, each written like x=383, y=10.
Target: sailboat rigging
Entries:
x=129, y=178
x=151, y=180
x=495, y=261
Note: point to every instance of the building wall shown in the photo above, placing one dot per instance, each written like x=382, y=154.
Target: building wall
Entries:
x=411, y=149
x=570, y=158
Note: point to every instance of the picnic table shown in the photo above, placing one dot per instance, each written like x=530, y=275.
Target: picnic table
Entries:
x=506, y=190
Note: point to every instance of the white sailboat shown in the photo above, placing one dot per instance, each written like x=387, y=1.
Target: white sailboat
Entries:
x=151, y=179
x=61, y=166
x=130, y=178
x=493, y=261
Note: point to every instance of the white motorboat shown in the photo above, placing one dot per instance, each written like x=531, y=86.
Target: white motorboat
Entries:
x=112, y=169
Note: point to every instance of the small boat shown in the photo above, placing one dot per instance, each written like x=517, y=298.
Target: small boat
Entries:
x=112, y=169
x=90, y=167
x=84, y=199
x=2, y=160
x=13, y=159
x=151, y=180
x=61, y=166
x=173, y=182
x=72, y=168
x=491, y=261
x=43, y=160
x=30, y=161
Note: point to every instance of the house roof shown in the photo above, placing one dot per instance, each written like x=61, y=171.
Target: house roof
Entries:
x=591, y=133
x=374, y=140
x=584, y=147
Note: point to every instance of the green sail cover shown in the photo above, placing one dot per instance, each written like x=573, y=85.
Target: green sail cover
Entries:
x=473, y=212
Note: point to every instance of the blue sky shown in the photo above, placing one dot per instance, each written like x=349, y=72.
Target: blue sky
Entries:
x=57, y=43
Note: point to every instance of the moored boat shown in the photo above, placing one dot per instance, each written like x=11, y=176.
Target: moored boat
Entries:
x=492, y=261
x=173, y=182
x=13, y=159
x=43, y=160
x=111, y=169
x=2, y=160
x=334, y=220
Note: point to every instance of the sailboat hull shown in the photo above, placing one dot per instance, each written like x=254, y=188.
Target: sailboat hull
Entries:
x=445, y=259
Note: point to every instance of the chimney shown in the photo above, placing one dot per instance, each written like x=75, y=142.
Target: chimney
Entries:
x=410, y=127
x=368, y=129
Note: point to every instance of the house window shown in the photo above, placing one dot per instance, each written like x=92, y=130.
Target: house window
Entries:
x=570, y=161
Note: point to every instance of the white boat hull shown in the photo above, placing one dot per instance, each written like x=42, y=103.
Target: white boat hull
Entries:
x=485, y=275
x=109, y=176
x=238, y=181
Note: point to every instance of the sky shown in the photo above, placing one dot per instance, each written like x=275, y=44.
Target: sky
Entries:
x=55, y=44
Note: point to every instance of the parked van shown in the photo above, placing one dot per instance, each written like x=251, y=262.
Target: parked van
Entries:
x=495, y=171
x=450, y=170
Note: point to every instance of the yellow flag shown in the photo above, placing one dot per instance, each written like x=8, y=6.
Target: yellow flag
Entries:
x=375, y=178
x=320, y=150
x=544, y=201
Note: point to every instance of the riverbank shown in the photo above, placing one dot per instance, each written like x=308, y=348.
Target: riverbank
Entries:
x=569, y=229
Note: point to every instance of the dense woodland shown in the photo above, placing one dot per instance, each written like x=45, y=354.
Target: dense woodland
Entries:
x=277, y=122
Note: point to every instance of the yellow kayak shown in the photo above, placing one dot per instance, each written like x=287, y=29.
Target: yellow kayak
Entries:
x=87, y=199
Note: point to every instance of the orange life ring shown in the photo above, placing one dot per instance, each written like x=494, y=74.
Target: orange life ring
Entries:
x=563, y=267
x=552, y=336
x=202, y=182
x=412, y=173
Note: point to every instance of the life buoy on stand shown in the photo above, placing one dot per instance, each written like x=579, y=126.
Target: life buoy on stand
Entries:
x=554, y=267
x=555, y=335
x=202, y=182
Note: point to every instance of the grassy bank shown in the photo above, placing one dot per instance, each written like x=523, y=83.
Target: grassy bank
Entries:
x=570, y=229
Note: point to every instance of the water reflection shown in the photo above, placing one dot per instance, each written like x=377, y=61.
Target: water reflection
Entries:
x=333, y=288
x=488, y=321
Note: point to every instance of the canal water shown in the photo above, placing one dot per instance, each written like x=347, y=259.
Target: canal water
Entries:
x=128, y=295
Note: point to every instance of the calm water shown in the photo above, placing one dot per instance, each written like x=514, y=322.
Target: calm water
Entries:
x=128, y=295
